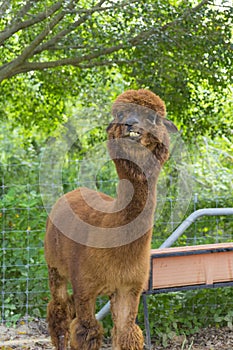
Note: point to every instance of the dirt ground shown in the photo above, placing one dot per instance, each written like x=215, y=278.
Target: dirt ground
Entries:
x=34, y=336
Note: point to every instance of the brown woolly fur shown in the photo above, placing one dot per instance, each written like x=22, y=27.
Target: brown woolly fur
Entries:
x=144, y=98
x=86, y=336
x=101, y=245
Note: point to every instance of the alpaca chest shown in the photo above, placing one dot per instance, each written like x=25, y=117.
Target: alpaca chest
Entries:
x=121, y=268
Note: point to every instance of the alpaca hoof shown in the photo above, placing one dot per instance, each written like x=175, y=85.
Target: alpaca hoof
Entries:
x=85, y=338
x=132, y=338
x=61, y=342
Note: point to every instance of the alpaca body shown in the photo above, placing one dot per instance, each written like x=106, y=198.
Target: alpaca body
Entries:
x=101, y=245
x=84, y=262
x=94, y=271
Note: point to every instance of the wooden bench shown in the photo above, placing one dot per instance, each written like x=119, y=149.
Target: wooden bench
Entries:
x=185, y=268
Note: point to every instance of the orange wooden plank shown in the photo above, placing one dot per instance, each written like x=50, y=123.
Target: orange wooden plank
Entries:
x=193, y=248
x=199, y=267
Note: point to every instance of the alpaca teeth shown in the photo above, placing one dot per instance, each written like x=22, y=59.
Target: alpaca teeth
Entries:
x=133, y=134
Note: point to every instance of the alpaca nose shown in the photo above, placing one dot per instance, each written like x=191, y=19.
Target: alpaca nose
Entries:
x=131, y=121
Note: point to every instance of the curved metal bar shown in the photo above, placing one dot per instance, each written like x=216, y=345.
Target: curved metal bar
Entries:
x=190, y=219
x=103, y=312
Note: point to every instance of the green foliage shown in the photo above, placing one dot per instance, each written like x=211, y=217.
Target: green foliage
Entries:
x=186, y=312
x=22, y=218
x=31, y=104
x=90, y=53
x=185, y=61
x=23, y=273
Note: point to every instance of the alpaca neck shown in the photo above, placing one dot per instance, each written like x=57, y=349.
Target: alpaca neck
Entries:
x=136, y=192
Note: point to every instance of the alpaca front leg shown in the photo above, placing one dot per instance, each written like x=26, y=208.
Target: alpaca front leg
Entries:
x=60, y=310
x=86, y=332
x=126, y=333
x=59, y=315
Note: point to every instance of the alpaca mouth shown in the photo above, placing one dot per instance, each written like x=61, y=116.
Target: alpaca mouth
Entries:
x=133, y=134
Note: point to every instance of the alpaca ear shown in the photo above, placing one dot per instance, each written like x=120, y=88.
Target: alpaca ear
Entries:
x=170, y=126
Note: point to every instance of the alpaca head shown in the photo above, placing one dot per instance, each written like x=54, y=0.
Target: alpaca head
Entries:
x=139, y=129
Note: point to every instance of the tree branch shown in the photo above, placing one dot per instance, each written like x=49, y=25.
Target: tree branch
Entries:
x=5, y=34
x=37, y=66
x=61, y=34
x=106, y=63
x=24, y=10
x=147, y=33
x=110, y=7
x=73, y=61
x=20, y=65
x=27, y=53
x=49, y=45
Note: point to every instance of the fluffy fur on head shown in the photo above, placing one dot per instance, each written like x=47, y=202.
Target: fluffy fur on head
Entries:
x=144, y=98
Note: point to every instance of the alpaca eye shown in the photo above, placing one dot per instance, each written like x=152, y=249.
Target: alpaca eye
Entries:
x=120, y=116
x=151, y=118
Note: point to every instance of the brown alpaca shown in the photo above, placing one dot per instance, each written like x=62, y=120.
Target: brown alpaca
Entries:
x=101, y=245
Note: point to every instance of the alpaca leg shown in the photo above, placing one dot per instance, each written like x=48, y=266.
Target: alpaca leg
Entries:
x=126, y=333
x=60, y=310
x=86, y=332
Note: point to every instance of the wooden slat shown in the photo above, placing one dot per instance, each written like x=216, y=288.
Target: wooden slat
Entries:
x=193, y=265
x=194, y=248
